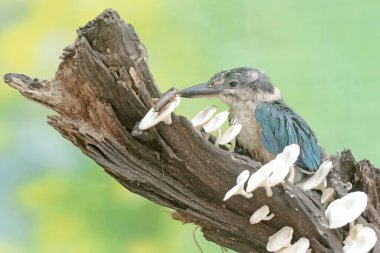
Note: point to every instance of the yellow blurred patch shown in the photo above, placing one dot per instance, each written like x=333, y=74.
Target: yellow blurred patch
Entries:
x=55, y=232
x=143, y=246
x=33, y=195
x=8, y=248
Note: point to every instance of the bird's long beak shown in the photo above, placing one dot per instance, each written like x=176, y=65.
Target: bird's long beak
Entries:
x=200, y=90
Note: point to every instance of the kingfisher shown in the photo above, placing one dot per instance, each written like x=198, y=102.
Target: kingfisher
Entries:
x=268, y=124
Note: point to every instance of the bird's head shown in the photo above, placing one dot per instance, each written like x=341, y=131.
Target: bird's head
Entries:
x=234, y=85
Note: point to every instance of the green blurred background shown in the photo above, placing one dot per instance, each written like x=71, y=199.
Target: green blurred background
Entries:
x=323, y=55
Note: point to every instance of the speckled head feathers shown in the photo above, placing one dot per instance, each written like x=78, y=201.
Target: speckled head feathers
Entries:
x=242, y=78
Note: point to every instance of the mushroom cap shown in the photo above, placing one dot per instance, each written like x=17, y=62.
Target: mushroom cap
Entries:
x=282, y=163
x=203, y=116
x=362, y=241
x=290, y=154
x=258, y=178
x=280, y=239
x=260, y=214
x=239, y=187
x=152, y=117
x=346, y=209
x=277, y=169
x=215, y=122
x=300, y=246
x=318, y=178
x=230, y=134
x=243, y=177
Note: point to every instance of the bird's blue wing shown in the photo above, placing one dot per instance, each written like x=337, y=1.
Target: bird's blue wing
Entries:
x=281, y=126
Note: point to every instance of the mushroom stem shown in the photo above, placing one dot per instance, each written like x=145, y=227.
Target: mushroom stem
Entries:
x=269, y=217
x=168, y=120
x=268, y=190
x=352, y=226
x=218, y=134
x=349, y=186
x=291, y=175
x=327, y=195
x=239, y=187
x=322, y=186
x=233, y=144
x=245, y=194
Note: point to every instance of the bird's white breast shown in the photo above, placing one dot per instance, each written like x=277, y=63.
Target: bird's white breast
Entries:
x=249, y=137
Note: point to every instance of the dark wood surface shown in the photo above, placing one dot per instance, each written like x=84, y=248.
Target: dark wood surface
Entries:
x=103, y=87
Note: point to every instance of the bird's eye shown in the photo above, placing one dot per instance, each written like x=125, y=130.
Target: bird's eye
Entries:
x=233, y=84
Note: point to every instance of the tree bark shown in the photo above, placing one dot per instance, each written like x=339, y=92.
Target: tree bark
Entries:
x=103, y=87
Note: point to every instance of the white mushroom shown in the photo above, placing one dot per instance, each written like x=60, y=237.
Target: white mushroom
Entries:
x=214, y=124
x=360, y=240
x=280, y=239
x=292, y=174
x=354, y=229
x=317, y=181
x=275, y=171
x=229, y=136
x=152, y=117
x=283, y=163
x=328, y=195
x=168, y=120
x=261, y=179
x=203, y=116
x=300, y=246
x=261, y=214
x=345, y=210
x=239, y=187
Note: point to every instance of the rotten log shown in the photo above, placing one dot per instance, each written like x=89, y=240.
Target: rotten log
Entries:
x=103, y=87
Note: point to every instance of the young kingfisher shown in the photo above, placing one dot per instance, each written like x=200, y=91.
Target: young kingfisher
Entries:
x=268, y=124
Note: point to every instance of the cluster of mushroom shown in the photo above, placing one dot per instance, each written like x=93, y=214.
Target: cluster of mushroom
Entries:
x=345, y=211
x=280, y=242
x=339, y=213
x=209, y=123
x=269, y=175
x=205, y=119
x=318, y=182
